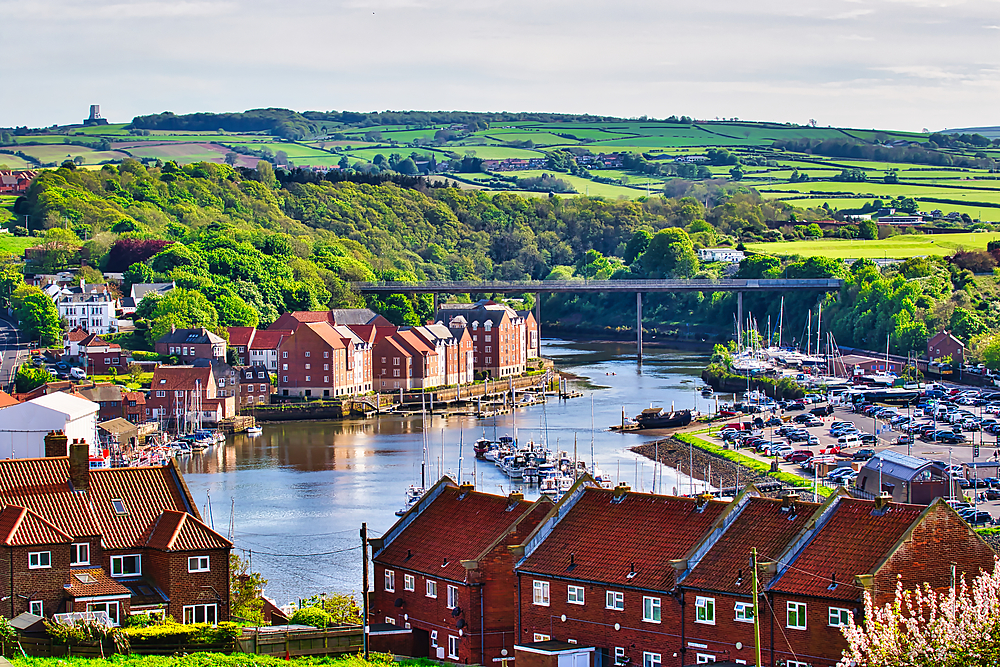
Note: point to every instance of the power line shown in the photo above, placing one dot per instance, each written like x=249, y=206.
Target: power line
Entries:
x=324, y=553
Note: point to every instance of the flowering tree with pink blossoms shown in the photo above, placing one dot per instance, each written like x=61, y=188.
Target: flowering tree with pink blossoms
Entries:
x=923, y=628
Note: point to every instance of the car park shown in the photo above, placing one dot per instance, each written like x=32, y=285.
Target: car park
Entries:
x=993, y=494
x=803, y=418
x=863, y=454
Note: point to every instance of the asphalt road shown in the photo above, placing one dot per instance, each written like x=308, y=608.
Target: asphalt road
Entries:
x=12, y=351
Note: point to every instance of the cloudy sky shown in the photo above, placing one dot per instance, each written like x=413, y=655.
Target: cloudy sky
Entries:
x=893, y=64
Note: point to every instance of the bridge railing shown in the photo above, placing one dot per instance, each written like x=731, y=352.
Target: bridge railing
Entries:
x=638, y=285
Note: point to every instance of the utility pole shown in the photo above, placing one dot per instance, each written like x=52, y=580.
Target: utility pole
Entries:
x=756, y=616
x=364, y=577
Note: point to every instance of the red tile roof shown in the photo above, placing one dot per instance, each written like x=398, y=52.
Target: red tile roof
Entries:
x=7, y=400
x=76, y=334
x=455, y=526
x=21, y=528
x=92, y=582
x=852, y=541
x=179, y=531
x=762, y=524
x=327, y=334
x=181, y=378
x=607, y=538
x=268, y=339
x=42, y=486
x=240, y=335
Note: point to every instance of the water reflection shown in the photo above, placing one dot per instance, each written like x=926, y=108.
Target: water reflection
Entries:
x=295, y=496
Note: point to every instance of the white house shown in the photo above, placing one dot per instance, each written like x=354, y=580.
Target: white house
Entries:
x=89, y=306
x=720, y=255
x=140, y=291
x=23, y=426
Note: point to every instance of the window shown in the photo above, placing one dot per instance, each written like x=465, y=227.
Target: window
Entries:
x=390, y=581
x=540, y=593
x=619, y=655
x=651, y=659
x=489, y=348
x=574, y=594
x=796, y=663
x=36, y=607
x=390, y=620
x=284, y=355
x=326, y=355
x=541, y=638
x=326, y=379
x=453, y=647
x=260, y=375
x=452, y=597
x=308, y=354
x=201, y=613
x=326, y=367
x=79, y=554
x=651, y=609
x=744, y=612
x=615, y=600
x=284, y=367
x=839, y=617
x=409, y=582
x=110, y=607
x=703, y=658
x=125, y=566
x=704, y=610
x=39, y=559
x=198, y=564
x=432, y=589
x=308, y=378
x=383, y=360
x=434, y=638
x=308, y=367
x=263, y=388
x=796, y=616
x=284, y=378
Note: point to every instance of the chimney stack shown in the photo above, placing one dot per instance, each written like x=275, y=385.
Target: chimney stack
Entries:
x=702, y=500
x=788, y=501
x=465, y=487
x=515, y=497
x=56, y=444
x=882, y=501
x=79, y=464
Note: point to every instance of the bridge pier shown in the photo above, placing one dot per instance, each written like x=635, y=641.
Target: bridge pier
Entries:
x=538, y=320
x=638, y=326
x=739, y=321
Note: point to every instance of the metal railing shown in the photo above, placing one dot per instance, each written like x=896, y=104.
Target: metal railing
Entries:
x=664, y=285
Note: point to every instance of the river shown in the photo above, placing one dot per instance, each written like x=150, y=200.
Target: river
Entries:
x=294, y=498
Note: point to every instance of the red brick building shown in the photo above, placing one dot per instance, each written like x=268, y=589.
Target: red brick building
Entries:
x=445, y=570
x=498, y=337
x=120, y=540
x=16, y=182
x=135, y=406
x=602, y=563
x=186, y=393
x=190, y=345
x=255, y=386
x=98, y=357
x=943, y=344
x=312, y=362
x=240, y=340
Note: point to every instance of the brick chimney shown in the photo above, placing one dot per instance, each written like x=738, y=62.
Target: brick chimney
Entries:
x=882, y=501
x=465, y=487
x=79, y=465
x=515, y=497
x=788, y=501
x=56, y=444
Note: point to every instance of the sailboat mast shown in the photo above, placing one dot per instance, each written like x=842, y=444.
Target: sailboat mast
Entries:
x=781, y=319
x=593, y=465
x=809, y=332
x=819, y=326
x=461, y=442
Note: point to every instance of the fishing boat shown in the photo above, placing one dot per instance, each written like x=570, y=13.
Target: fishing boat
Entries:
x=707, y=392
x=657, y=418
x=481, y=447
x=254, y=431
x=413, y=496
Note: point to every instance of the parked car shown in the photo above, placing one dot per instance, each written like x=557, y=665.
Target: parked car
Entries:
x=795, y=406
x=803, y=418
x=863, y=454
x=992, y=494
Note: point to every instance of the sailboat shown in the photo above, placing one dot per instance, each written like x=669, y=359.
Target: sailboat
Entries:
x=414, y=493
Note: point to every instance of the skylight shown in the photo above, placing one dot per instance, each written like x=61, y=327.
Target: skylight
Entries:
x=85, y=577
x=118, y=506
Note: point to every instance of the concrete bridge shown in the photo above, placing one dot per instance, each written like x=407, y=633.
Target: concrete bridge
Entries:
x=602, y=286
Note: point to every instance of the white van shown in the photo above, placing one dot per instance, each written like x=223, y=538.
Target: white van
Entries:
x=849, y=440
x=77, y=373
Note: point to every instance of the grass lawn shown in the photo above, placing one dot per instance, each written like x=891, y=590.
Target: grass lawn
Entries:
x=900, y=247
x=985, y=214
x=16, y=244
x=182, y=153
x=144, y=380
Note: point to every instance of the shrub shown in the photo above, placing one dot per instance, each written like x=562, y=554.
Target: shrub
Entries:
x=313, y=616
x=192, y=633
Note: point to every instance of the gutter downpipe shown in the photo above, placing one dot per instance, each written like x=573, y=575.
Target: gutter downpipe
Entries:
x=680, y=601
x=482, y=629
x=771, y=605
x=516, y=639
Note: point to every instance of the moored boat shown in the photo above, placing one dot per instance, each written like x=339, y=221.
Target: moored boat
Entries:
x=658, y=418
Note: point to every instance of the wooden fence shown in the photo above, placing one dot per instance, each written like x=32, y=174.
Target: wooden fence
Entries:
x=45, y=647
x=302, y=642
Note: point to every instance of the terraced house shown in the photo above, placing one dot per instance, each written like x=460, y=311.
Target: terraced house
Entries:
x=121, y=541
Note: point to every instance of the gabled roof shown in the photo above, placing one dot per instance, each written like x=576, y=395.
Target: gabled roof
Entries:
x=851, y=541
x=455, y=525
x=268, y=339
x=6, y=400
x=102, y=392
x=21, y=528
x=327, y=334
x=138, y=396
x=76, y=335
x=354, y=316
x=200, y=336
x=624, y=540
x=944, y=335
x=140, y=290
x=181, y=378
x=759, y=523
x=73, y=407
x=179, y=531
x=241, y=336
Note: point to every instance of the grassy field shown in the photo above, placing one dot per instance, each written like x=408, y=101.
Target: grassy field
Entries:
x=294, y=151
x=182, y=153
x=15, y=245
x=14, y=162
x=60, y=152
x=585, y=186
x=899, y=247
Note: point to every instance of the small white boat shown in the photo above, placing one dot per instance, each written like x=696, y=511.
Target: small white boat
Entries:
x=413, y=496
x=255, y=430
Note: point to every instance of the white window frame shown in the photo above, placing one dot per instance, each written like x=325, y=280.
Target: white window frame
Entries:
x=36, y=607
x=614, y=600
x=539, y=637
x=390, y=620
x=434, y=638
x=409, y=582
x=107, y=606
x=799, y=610
x=199, y=563
x=452, y=597
x=796, y=663
x=842, y=616
x=39, y=560
x=651, y=610
x=743, y=612
x=620, y=655
x=191, y=613
x=121, y=560
x=704, y=610
x=575, y=594
x=432, y=588
x=453, y=647
x=651, y=659
x=390, y=581
x=703, y=659
x=540, y=593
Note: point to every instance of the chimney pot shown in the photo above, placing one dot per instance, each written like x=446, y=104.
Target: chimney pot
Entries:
x=882, y=501
x=56, y=444
x=79, y=465
x=788, y=500
x=465, y=487
x=516, y=497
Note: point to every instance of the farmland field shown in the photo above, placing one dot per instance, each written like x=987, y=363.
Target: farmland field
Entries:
x=182, y=153
x=583, y=185
x=294, y=151
x=899, y=247
x=61, y=152
x=15, y=162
